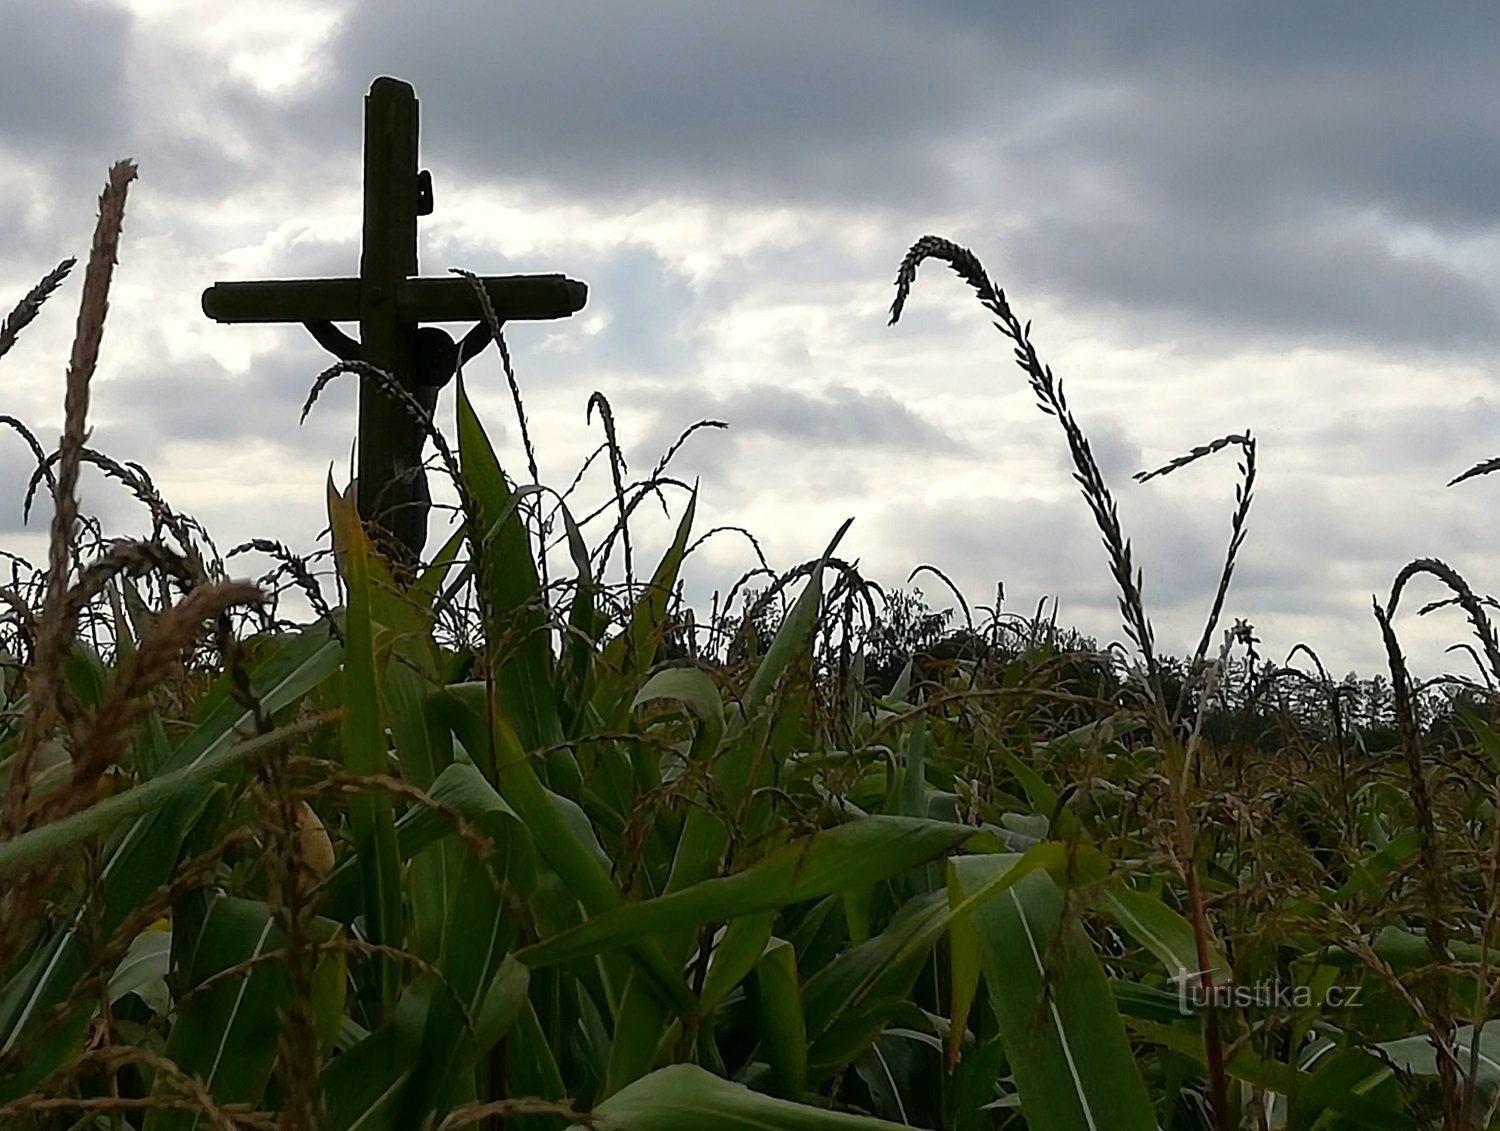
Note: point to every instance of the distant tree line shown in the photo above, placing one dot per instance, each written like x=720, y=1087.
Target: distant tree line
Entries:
x=1257, y=705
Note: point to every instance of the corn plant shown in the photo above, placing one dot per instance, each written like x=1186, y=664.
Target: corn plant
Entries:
x=502, y=842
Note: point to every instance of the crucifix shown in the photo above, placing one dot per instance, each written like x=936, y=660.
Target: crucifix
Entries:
x=393, y=306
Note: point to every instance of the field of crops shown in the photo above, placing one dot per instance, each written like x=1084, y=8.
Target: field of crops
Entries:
x=515, y=839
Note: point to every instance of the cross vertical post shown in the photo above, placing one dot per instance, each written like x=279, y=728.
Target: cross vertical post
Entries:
x=388, y=256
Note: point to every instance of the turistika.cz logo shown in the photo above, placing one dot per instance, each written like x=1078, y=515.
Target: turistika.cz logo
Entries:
x=1195, y=994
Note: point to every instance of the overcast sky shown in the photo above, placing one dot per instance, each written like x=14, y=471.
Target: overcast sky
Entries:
x=1277, y=216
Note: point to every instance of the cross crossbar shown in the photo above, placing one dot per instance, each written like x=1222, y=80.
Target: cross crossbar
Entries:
x=515, y=298
x=392, y=306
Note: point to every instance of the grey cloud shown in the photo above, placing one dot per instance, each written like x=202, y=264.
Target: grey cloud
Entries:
x=76, y=100
x=16, y=466
x=1035, y=548
x=652, y=311
x=1278, y=283
x=315, y=259
x=62, y=70
x=1118, y=457
x=837, y=417
x=1227, y=170
x=840, y=417
x=154, y=403
x=100, y=497
x=1314, y=556
x=1206, y=174
x=671, y=97
x=1170, y=159
x=1446, y=438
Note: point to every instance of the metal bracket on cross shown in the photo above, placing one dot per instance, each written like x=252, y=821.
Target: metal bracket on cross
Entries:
x=391, y=304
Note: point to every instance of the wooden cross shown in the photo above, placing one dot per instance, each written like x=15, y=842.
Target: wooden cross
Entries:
x=391, y=304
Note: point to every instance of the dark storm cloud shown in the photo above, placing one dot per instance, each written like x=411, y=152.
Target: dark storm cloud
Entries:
x=62, y=73
x=1353, y=96
x=670, y=97
x=1234, y=165
x=1242, y=165
x=1229, y=169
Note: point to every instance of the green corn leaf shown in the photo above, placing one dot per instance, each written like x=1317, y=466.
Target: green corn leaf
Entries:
x=466, y=710
x=330, y=988
x=464, y=707
x=424, y=592
x=640, y=1024
x=697, y=692
x=1415, y=1054
x=531, y=1069
x=226, y=1035
x=1274, y=1077
x=514, y=607
x=1355, y=1083
x=628, y=656
x=1042, y=796
x=778, y=1007
x=362, y=1087
x=642, y=1021
x=294, y=665
x=1068, y=864
x=632, y=652
x=476, y=938
x=448, y=1048
x=851, y=1000
x=739, y=950
x=140, y=854
x=501, y=1004
x=364, y=747
x=1063, y=1037
x=684, y=1097
x=464, y=790
x=1160, y=930
x=1242, y=1064
x=913, y=799
x=585, y=624
x=964, y=967
x=143, y=970
x=794, y=633
x=115, y=812
x=860, y=852
x=1367, y=879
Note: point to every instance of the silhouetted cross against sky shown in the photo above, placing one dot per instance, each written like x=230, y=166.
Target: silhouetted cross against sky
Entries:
x=391, y=304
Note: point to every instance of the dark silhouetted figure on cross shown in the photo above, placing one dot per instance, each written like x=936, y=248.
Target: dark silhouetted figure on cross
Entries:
x=437, y=358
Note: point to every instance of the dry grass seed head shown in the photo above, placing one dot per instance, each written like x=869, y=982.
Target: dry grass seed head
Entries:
x=55, y=628
x=103, y=735
x=31, y=304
